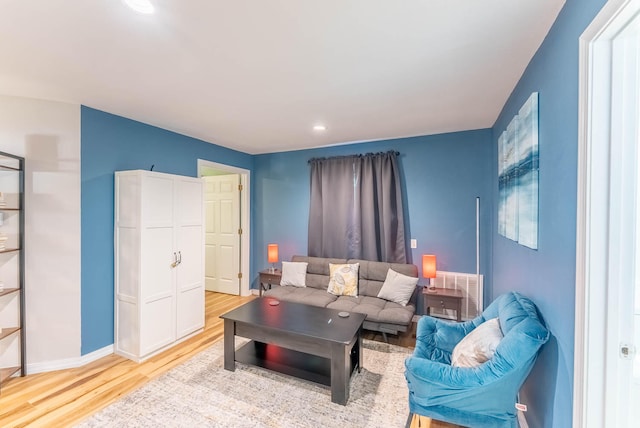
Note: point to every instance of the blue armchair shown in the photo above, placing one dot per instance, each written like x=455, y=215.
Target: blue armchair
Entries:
x=482, y=396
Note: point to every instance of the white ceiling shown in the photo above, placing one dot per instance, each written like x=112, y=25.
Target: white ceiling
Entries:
x=256, y=75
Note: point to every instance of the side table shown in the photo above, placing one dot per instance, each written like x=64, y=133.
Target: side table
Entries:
x=269, y=278
x=444, y=298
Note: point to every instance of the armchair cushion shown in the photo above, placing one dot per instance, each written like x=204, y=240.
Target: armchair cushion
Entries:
x=478, y=346
x=482, y=396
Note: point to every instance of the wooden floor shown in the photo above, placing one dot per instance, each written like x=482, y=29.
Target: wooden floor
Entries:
x=65, y=397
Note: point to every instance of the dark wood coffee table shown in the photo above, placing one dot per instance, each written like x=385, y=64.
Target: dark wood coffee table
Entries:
x=299, y=340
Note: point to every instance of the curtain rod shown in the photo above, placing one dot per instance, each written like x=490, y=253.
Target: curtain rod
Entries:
x=354, y=156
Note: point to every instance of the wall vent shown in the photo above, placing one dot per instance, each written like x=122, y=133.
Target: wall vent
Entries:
x=471, y=286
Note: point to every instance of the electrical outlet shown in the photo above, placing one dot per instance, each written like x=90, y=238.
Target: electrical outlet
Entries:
x=414, y=243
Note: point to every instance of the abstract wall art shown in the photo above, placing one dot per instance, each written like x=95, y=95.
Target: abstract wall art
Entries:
x=518, y=171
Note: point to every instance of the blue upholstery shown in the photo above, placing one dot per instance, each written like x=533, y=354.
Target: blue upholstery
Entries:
x=482, y=396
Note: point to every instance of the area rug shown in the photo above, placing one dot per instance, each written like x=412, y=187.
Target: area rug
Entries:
x=200, y=393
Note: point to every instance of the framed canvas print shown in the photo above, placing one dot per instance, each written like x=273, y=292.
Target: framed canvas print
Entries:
x=518, y=174
x=528, y=170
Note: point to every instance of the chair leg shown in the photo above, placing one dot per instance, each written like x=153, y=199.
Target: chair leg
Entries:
x=409, y=419
x=417, y=421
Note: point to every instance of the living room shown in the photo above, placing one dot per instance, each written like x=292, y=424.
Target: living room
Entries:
x=72, y=208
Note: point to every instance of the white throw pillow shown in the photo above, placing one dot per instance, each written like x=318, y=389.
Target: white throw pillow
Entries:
x=478, y=346
x=294, y=273
x=397, y=287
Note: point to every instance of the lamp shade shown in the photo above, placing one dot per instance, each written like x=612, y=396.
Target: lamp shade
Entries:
x=272, y=253
x=428, y=266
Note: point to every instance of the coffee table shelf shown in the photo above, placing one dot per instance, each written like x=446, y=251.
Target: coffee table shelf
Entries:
x=289, y=362
x=286, y=361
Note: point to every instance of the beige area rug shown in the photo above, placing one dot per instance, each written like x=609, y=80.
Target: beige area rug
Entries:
x=200, y=393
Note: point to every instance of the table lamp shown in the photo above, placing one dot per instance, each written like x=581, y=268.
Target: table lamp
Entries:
x=429, y=270
x=272, y=256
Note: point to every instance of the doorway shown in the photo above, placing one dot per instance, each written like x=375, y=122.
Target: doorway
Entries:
x=227, y=256
x=606, y=363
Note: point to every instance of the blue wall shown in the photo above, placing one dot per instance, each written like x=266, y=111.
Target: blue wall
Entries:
x=548, y=274
x=112, y=143
x=442, y=175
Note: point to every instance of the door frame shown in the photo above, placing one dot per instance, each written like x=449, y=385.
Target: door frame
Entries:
x=594, y=385
x=245, y=221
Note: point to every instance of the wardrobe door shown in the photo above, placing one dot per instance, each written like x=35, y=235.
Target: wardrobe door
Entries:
x=157, y=290
x=190, y=246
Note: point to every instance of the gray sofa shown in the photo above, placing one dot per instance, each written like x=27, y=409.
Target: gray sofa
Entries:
x=382, y=315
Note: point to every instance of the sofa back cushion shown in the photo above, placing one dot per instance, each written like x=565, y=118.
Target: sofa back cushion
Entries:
x=317, y=270
x=373, y=274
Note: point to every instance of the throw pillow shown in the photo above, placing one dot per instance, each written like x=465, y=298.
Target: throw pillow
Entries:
x=343, y=279
x=294, y=273
x=398, y=287
x=478, y=346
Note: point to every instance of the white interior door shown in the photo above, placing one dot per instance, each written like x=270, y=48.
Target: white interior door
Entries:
x=222, y=238
x=624, y=250
x=606, y=376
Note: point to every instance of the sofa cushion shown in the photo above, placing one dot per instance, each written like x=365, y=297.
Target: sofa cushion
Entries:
x=306, y=295
x=343, y=279
x=376, y=309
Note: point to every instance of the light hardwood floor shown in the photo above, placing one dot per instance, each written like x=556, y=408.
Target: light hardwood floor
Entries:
x=65, y=397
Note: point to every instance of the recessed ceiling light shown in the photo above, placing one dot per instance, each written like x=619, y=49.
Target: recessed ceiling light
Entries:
x=319, y=128
x=140, y=6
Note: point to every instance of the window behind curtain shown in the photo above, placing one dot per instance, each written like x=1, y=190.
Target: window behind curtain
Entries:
x=356, y=208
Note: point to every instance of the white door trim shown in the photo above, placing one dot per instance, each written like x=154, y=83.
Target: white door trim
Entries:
x=245, y=180
x=593, y=210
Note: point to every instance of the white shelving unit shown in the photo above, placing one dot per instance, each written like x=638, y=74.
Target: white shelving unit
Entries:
x=12, y=300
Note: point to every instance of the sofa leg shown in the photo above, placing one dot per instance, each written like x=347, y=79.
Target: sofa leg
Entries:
x=384, y=336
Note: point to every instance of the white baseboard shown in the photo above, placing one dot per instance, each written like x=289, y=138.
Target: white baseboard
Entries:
x=69, y=363
x=255, y=291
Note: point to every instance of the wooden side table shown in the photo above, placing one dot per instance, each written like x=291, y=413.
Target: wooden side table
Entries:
x=269, y=278
x=444, y=298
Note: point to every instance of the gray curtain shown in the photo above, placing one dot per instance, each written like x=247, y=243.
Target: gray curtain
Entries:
x=356, y=208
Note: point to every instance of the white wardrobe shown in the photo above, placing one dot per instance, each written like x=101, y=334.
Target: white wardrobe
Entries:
x=159, y=261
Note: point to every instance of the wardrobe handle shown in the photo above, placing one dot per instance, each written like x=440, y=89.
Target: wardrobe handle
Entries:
x=179, y=257
x=175, y=260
